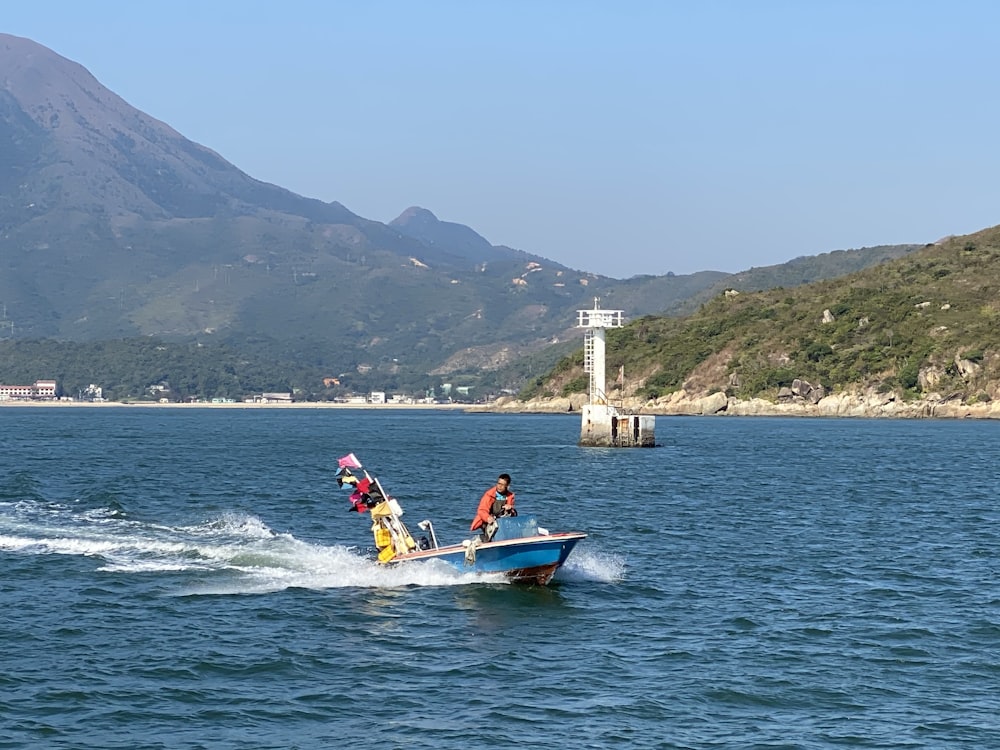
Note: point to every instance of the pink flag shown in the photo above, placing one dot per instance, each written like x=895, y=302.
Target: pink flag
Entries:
x=350, y=461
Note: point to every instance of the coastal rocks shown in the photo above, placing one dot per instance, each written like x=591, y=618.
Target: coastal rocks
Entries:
x=714, y=403
x=958, y=410
x=512, y=405
x=679, y=402
x=868, y=404
x=929, y=377
x=759, y=407
x=801, y=391
x=966, y=367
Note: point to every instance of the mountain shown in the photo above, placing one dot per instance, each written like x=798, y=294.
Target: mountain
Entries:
x=424, y=226
x=113, y=225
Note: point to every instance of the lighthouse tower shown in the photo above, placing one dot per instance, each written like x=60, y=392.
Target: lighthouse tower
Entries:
x=603, y=424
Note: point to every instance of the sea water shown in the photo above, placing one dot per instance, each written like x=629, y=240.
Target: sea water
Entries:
x=193, y=578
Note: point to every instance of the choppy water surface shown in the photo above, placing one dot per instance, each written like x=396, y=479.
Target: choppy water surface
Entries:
x=192, y=578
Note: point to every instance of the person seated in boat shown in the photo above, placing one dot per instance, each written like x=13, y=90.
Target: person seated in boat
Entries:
x=496, y=501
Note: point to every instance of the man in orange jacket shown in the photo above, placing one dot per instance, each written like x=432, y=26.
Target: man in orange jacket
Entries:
x=496, y=501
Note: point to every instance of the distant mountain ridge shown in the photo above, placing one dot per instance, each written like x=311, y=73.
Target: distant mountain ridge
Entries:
x=88, y=146
x=113, y=225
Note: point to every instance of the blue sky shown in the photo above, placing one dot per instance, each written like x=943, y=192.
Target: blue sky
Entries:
x=620, y=138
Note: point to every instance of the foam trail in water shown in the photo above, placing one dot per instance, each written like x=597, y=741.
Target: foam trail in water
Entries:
x=250, y=556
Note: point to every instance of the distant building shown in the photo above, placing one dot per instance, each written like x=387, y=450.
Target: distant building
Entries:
x=376, y=397
x=42, y=390
x=15, y=392
x=159, y=388
x=93, y=392
x=45, y=389
x=274, y=398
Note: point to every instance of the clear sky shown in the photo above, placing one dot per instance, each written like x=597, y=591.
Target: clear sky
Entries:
x=614, y=137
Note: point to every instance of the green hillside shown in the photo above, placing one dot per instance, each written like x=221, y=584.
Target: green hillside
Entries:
x=927, y=322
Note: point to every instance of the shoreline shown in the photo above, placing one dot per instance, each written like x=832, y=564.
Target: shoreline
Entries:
x=240, y=405
x=835, y=407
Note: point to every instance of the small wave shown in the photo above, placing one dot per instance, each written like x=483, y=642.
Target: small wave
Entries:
x=21, y=486
x=234, y=524
x=104, y=514
x=58, y=545
x=589, y=565
x=100, y=503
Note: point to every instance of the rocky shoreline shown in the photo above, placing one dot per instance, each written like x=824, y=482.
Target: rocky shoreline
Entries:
x=870, y=405
x=865, y=405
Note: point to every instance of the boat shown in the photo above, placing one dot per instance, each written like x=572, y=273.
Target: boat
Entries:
x=518, y=548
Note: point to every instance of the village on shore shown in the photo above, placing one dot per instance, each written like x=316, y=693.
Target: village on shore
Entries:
x=46, y=393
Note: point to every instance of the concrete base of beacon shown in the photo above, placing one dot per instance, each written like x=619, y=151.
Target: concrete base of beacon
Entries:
x=603, y=427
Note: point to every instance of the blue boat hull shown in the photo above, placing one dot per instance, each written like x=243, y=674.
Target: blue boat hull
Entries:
x=532, y=560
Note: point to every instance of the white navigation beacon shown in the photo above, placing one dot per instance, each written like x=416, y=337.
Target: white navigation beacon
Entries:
x=602, y=423
x=594, y=345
